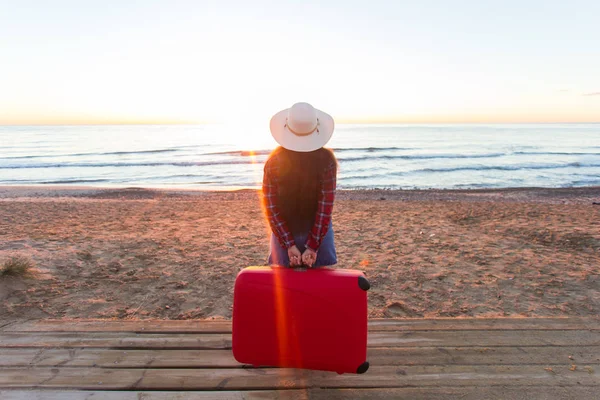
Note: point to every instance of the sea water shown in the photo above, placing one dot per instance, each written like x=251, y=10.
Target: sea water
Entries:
x=370, y=156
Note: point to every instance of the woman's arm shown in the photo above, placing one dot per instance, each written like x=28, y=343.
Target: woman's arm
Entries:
x=324, y=209
x=270, y=197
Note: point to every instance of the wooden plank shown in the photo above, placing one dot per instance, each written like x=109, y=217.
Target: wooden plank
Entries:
x=136, y=395
x=7, y=325
x=483, y=338
x=540, y=355
x=450, y=324
x=261, y=379
x=122, y=340
x=149, y=326
x=112, y=358
x=376, y=339
x=429, y=393
x=375, y=325
x=458, y=393
x=109, y=358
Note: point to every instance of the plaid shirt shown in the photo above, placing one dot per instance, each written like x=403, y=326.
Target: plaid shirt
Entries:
x=324, y=208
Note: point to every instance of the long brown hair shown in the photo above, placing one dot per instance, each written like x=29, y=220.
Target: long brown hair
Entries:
x=300, y=177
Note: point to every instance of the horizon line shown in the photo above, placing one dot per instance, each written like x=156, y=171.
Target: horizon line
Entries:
x=342, y=122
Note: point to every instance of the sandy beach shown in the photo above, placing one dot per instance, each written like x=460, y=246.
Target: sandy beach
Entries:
x=138, y=253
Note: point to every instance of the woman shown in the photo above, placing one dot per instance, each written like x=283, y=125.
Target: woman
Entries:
x=299, y=188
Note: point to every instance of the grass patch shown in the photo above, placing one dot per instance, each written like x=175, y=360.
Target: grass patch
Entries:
x=16, y=266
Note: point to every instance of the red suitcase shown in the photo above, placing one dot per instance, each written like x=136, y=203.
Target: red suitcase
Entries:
x=311, y=319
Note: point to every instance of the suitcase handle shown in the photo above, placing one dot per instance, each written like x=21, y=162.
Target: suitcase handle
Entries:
x=304, y=267
x=363, y=282
x=301, y=268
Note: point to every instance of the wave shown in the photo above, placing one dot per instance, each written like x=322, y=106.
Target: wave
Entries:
x=170, y=178
x=422, y=157
x=586, y=182
x=505, y=167
x=248, y=153
x=112, y=153
x=120, y=153
x=337, y=150
x=342, y=160
x=541, y=153
x=472, y=168
x=53, y=182
x=243, y=153
x=372, y=149
x=67, y=181
x=231, y=162
x=477, y=185
x=355, y=177
x=125, y=164
x=459, y=156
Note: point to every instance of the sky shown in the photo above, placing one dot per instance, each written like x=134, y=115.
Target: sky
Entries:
x=185, y=61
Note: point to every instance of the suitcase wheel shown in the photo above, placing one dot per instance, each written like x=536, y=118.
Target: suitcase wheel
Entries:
x=363, y=283
x=363, y=368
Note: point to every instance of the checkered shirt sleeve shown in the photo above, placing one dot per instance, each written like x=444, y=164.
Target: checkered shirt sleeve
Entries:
x=324, y=209
x=270, y=195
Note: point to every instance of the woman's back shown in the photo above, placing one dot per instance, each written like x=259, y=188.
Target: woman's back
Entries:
x=299, y=178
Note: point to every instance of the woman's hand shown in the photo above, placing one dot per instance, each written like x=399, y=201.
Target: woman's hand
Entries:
x=294, y=256
x=309, y=257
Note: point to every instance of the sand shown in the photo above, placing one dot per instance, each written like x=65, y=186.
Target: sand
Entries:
x=141, y=254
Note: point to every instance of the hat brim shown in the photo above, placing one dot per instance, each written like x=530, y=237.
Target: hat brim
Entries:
x=291, y=141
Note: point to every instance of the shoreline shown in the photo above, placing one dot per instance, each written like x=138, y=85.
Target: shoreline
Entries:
x=571, y=195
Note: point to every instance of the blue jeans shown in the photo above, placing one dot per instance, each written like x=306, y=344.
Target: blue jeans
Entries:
x=326, y=254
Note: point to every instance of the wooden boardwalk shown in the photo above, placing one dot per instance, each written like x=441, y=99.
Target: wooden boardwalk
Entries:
x=547, y=358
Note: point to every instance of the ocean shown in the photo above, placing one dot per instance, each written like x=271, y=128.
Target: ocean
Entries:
x=216, y=157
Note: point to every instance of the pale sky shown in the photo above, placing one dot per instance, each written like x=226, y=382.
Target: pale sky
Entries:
x=185, y=61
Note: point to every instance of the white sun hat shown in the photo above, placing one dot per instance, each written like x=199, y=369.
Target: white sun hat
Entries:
x=302, y=128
